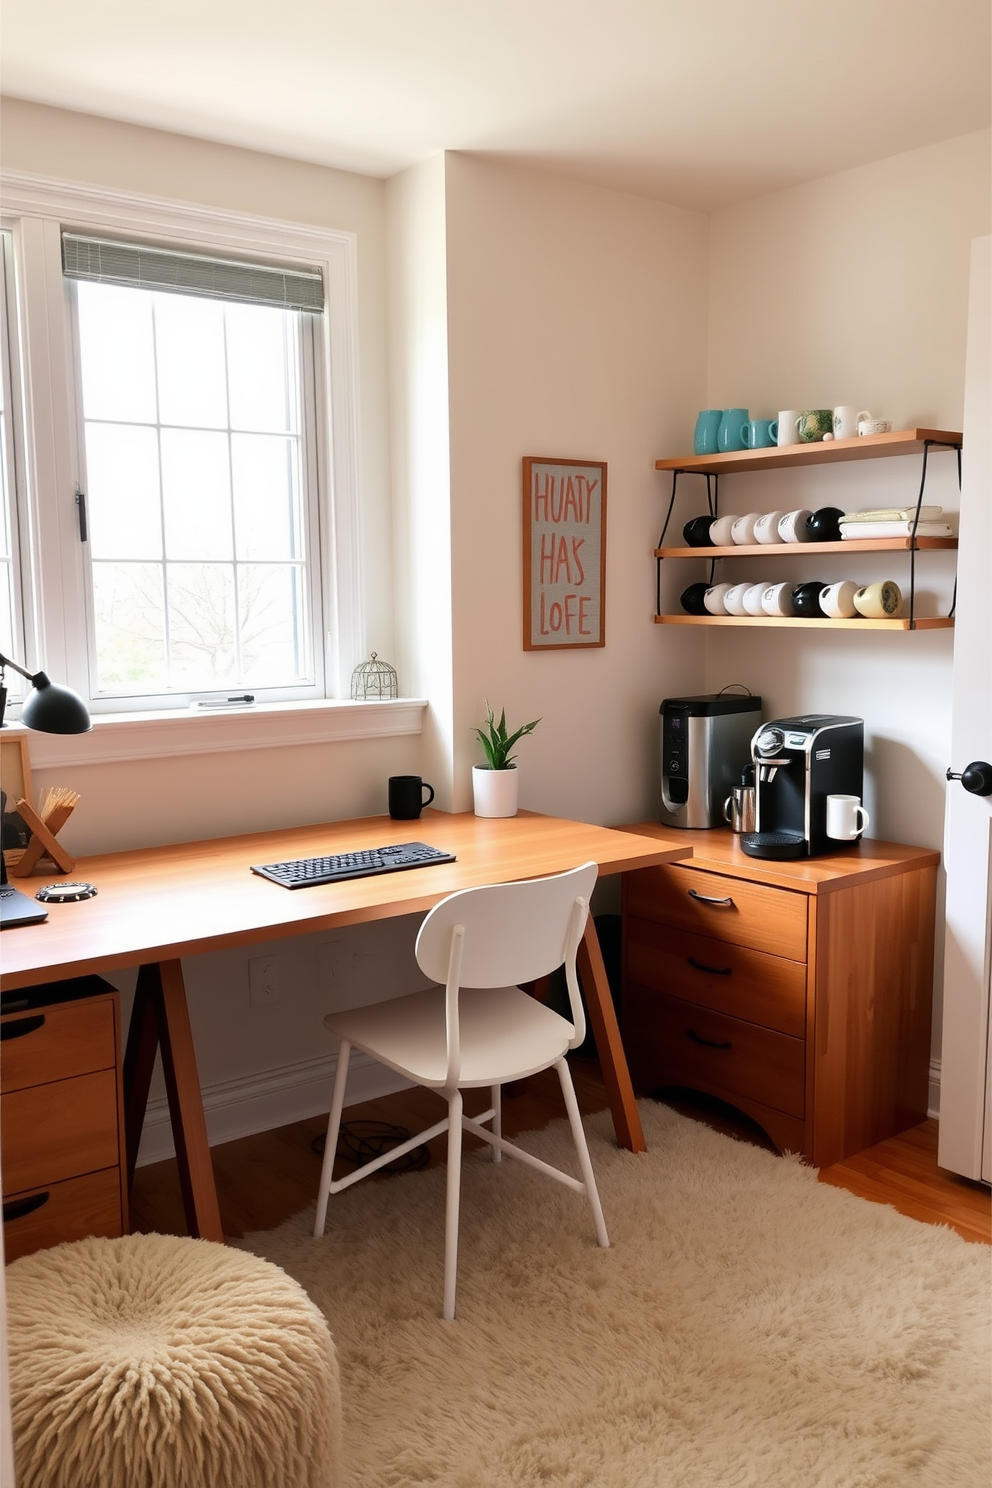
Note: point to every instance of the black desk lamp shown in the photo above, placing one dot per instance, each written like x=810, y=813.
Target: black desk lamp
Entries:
x=49, y=708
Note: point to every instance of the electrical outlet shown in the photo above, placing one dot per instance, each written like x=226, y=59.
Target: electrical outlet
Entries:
x=264, y=981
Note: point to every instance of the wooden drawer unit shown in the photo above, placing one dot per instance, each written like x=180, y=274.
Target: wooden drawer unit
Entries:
x=799, y=992
x=61, y=1115
x=727, y=908
x=716, y=974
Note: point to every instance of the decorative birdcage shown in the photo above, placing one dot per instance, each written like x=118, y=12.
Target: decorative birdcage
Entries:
x=373, y=679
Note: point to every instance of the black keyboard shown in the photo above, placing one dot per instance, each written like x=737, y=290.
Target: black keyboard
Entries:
x=301, y=873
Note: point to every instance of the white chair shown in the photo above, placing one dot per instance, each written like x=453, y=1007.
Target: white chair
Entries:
x=477, y=1029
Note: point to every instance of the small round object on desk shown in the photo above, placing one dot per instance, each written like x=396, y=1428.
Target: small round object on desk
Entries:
x=697, y=532
x=693, y=599
x=65, y=893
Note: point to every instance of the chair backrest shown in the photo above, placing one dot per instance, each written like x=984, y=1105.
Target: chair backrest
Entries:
x=500, y=935
x=514, y=932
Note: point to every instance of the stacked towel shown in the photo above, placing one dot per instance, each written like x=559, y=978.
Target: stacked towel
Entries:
x=894, y=514
x=901, y=528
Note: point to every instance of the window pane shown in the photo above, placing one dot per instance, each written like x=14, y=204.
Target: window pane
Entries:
x=263, y=358
x=267, y=512
x=196, y=491
x=117, y=353
x=201, y=609
x=123, y=504
x=130, y=626
x=270, y=598
x=192, y=382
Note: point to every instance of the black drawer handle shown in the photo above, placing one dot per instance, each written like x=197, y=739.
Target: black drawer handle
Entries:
x=18, y=1208
x=713, y=970
x=21, y=1027
x=697, y=1038
x=727, y=903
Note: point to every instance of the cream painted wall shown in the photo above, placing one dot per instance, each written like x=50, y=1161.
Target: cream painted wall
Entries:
x=855, y=289
x=576, y=328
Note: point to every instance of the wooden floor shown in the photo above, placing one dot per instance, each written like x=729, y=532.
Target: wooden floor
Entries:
x=264, y=1179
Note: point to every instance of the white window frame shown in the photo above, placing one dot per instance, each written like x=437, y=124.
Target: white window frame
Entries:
x=36, y=210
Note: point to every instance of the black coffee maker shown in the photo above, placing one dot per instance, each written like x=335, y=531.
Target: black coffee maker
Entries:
x=798, y=763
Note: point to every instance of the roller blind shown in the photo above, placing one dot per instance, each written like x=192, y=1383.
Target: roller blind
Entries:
x=140, y=266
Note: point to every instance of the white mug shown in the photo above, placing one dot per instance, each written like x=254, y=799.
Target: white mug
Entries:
x=766, y=527
x=837, y=600
x=777, y=599
x=787, y=431
x=733, y=600
x=742, y=531
x=842, y=818
x=715, y=598
x=721, y=530
x=753, y=595
x=846, y=420
x=792, y=527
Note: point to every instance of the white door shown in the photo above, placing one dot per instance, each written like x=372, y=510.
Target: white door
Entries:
x=965, y=1145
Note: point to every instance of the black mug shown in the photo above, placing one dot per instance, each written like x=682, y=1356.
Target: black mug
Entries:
x=406, y=797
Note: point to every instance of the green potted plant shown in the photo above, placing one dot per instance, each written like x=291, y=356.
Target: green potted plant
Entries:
x=494, y=784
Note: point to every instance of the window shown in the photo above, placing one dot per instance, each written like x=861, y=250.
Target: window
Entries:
x=192, y=500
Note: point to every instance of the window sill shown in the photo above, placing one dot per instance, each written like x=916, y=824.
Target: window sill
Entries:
x=115, y=737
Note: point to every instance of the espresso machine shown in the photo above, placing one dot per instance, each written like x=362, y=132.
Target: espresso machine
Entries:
x=798, y=763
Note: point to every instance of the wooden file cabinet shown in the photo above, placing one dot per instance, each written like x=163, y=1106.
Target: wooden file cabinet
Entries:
x=61, y=1115
x=798, y=992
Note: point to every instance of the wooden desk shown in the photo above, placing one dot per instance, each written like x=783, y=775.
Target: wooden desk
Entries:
x=157, y=905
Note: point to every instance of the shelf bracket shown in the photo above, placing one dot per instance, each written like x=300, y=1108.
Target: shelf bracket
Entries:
x=928, y=444
x=712, y=479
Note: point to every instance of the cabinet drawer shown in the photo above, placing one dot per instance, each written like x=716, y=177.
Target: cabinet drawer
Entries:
x=680, y=1043
x=60, y=1130
x=56, y=1043
x=747, y=914
x=716, y=974
x=66, y=1211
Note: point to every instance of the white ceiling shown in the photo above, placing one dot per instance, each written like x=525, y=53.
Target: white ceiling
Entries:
x=697, y=102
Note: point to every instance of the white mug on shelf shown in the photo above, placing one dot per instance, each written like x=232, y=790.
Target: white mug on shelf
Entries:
x=847, y=417
x=733, y=600
x=843, y=813
x=792, y=526
x=787, y=431
x=766, y=527
x=742, y=532
x=721, y=531
x=837, y=600
x=777, y=599
x=753, y=595
x=715, y=598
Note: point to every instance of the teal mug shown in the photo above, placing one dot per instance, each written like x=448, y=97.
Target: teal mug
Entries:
x=707, y=428
x=760, y=433
x=729, y=435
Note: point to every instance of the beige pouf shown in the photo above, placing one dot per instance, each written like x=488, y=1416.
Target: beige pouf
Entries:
x=155, y=1361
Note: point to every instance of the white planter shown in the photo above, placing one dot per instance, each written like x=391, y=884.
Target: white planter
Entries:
x=494, y=791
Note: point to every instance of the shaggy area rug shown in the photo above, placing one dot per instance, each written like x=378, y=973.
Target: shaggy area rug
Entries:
x=748, y=1326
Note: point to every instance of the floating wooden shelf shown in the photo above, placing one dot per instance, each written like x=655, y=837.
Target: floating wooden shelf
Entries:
x=899, y=442
x=936, y=622
x=778, y=550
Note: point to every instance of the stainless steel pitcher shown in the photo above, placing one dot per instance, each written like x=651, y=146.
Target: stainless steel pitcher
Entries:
x=738, y=808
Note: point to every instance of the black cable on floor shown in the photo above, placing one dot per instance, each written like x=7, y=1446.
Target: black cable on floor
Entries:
x=361, y=1142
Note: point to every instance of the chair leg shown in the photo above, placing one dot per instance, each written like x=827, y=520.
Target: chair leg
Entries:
x=495, y=1094
x=582, y=1151
x=331, y=1140
x=451, y=1204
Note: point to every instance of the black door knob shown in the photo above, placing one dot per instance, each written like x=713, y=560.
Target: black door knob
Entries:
x=976, y=777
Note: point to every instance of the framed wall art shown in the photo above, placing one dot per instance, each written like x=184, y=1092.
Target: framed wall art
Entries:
x=564, y=553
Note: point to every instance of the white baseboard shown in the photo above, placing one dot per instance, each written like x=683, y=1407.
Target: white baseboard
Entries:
x=933, y=1098
x=254, y=1103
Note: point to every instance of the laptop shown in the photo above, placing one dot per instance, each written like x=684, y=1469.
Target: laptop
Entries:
x=17, y=908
